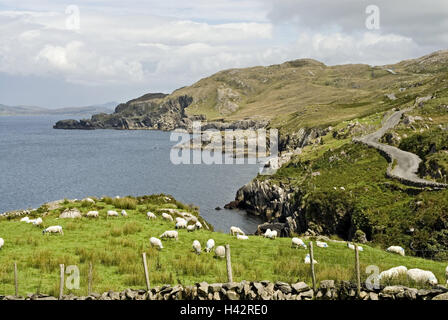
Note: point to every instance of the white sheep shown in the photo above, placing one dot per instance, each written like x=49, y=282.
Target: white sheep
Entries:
x=112, y=213
x=191, y=227
x=424, y=276
x=393, y=272
x=396, y=249
x=53, y=229
x=307, y=259
x=198, y=225
x=235, y=230
x=271, y=234
x=167, y=216
x=38, y=221
x=170, y=234
x=446, y=274
x=210, y=244
x=156, y=243
x=151, y=215
x=267, y=233
x=179, y=219
x=25, y=219
x=351, y=246
x=89, y=200
x=321, y=244
x=181, y=224
x=124, y=213
x=30, y=220
x=220, y=252
x=197, y=246
x=92, y=214
x=241, y=237
x=2, y=243
x=296, y=243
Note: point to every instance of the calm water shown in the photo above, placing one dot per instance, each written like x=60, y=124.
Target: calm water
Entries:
x=39, y=164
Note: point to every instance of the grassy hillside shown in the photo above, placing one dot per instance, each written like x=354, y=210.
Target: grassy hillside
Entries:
x=114, y=246
x=308, y=93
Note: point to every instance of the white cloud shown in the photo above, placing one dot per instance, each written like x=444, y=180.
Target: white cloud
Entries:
x=165, y=45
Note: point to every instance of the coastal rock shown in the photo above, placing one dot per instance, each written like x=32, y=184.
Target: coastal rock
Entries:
x=70, y=213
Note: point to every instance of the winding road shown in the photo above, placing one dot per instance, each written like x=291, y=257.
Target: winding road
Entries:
x=405, y=163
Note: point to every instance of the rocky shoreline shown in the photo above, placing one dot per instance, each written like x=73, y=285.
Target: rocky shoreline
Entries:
x=153, y=112
x=263, y=290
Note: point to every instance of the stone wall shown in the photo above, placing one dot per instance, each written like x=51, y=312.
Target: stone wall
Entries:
x=264, y=290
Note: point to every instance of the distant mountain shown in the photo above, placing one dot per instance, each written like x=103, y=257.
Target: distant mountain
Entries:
x=70, y=111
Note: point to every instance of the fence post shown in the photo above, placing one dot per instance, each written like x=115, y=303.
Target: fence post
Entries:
x=358, y=273
x=228, y=263
x=90, y=279
x=145, y=267
x=313, y=275
x=61, y=283
x=16, y=279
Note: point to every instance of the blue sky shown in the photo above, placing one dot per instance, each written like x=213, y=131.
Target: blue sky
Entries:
x=123, y=49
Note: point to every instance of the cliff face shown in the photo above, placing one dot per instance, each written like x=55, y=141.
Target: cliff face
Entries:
x=146, y=112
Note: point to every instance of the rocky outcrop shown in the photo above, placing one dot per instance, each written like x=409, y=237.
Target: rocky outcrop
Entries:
x=147, y=112
x=263, y=290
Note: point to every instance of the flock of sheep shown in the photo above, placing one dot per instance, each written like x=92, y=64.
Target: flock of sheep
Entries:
x=416, y=275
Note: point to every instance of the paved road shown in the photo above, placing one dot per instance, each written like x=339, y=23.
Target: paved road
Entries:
x=406, y=163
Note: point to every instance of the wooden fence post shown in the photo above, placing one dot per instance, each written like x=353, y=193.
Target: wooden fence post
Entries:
x=358, y=273
x=228, y=263
x=313, y=275
x=16, y=279
x=61, y=283
x=90, y=279
x=145, y=267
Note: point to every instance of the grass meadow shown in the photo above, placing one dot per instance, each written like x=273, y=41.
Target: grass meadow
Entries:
x=114, y=246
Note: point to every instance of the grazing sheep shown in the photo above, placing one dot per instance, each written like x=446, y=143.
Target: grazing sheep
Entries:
x=307, y=259
x=446, y=274
x=2, y=242
x=220, y=252
x=198, y=225
x=296, y=243
x=92, y=214
x=235, y=230
x=271, y=234
x=191, y=227
x=321, y=244
x=424, y=276
x=351, y=246
x=210, y=244
x=267, y=233
x=241, y=237
x=112, y=213
x=151, y=215
x=30, y=220
x=25, y=219
x=156, y=243
x=393, y=272
x=53, y=229
x=197, y=246
x=181, y=224
x=89, y=200
x=124, y=213
x=38, y=222
x=167, y=216
x=178, y=219
x=170, y=234
x=396, y=249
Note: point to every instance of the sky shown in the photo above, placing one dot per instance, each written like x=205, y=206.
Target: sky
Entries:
x=84, y=52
